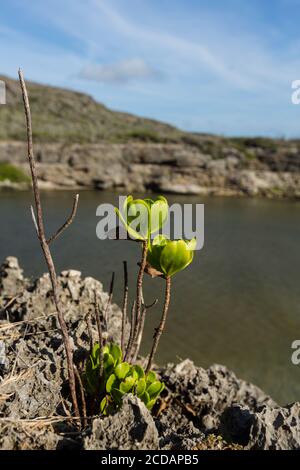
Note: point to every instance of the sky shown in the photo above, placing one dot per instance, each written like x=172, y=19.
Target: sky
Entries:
x=217, y=66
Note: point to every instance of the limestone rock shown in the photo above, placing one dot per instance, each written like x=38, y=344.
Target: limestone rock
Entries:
x=131, y=428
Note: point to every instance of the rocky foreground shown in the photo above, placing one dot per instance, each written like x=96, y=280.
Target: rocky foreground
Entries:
x=199, y=409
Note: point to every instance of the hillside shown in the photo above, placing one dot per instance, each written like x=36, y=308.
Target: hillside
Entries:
x=80, y=143
x=61, y=115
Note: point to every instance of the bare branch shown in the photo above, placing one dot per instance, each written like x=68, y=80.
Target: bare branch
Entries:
x=124, y=310
x=45, y=247
x=90, y=331
x=100, y=337
x=161, y=326
x=139, y=297
x=111, y=289
x=147, y=307
x=67, y=222
x=34, y=221
x=141, y=325
x=132, y=320
x=82, y=396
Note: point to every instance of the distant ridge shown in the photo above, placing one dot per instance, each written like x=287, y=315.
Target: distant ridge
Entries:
x=62, y=115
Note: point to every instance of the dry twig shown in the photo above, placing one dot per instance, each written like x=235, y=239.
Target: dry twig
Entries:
x=161, y=325
x=139, y=298
x=125, y=302
x=100, y=338
x=45, y=246
x=82, y=396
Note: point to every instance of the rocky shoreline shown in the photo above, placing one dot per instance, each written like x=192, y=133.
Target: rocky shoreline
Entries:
x=179, y=168
x=199, y=409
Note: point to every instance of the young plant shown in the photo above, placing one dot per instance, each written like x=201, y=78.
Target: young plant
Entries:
x=118, y=379
x=162, y=257
x=141, y=218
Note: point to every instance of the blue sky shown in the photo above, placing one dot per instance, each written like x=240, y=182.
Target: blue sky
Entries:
x=215, y=66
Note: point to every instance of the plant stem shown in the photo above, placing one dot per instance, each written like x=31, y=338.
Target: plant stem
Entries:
x=139, y=297
x=110, y=295
x=161, y=326
x=124, y=310
x=45, y=247
x=100, y=337
x=132, y=318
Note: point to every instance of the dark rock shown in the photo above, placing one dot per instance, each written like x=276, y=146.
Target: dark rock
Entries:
x=270, y=428
x=131, y=428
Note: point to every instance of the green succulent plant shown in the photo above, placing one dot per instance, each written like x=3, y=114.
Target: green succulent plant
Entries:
x=169, y=257
x=143, y=217
x=111, y=357
x=118, y=379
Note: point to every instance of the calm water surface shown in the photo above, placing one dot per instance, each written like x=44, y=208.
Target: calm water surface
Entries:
x=238, y=304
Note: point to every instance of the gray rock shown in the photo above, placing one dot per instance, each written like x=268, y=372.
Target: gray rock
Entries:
x=209, y=392
x=276, y=428
x=23, y=436
x=270, y=428
x=131, y=428
x=11, y=278
x=212, y=166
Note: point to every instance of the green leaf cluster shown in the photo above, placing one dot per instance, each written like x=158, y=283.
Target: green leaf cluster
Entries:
x=169, y=257
x=143, y=217
x=118, y=379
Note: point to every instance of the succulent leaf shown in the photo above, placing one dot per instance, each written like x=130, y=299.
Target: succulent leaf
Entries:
x=111, y=382
x=122, y=370
x=127, y=384
x=103, y=404
x=140, y=387
x=140, y=371
x=151, y=376
x=155, y=389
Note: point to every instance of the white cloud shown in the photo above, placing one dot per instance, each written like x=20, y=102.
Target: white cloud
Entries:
x=118, y=72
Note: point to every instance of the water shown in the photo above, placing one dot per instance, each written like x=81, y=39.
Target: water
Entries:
x=238, y=304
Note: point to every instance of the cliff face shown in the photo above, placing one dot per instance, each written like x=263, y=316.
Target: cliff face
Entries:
x=81, y=143
x=166, y=168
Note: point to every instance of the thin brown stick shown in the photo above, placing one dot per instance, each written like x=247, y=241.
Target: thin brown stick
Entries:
x=100, y=337
x=45, y=247
x=82, y=396
x=34, y=221
x=67, y=222
x=161, y=326
x=90, y=331
x=141, y=326
x=137, y=343
x=139, y=296
x=132, y=320
x=124, y=310
x=111, y=290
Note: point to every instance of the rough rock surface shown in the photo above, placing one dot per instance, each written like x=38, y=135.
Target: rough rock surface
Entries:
x=34, y=401
x=206, y=166
x=208, y=392
x=132, y=428
x=271, y=428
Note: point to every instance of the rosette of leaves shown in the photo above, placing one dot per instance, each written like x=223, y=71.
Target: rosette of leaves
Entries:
x=118, y=378
x=127, y=378
x=110, y=358
x=143, y=217
x=168, y=257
